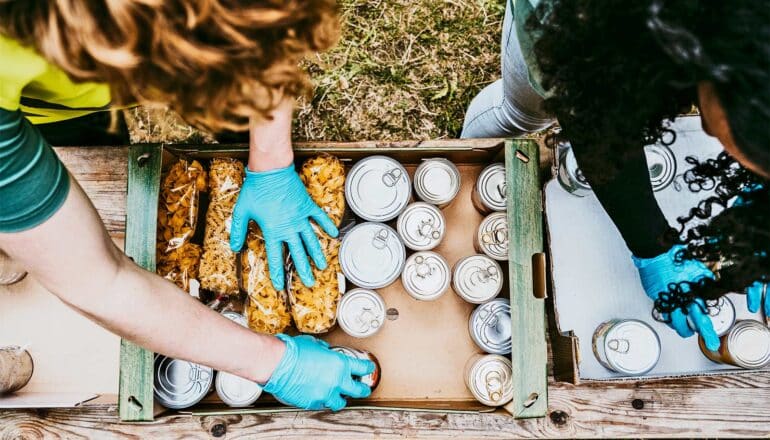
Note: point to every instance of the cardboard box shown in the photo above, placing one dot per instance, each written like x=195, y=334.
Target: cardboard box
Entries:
x=594, y=279
x=423, y=351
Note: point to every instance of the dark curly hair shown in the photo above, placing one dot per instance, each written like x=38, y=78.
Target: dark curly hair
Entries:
x=618, y=70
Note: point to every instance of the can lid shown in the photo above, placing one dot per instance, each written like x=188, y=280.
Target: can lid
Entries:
x=749, y=344
x=437, y=181
x=491, y=380
x=372, y=255
x=721, y=314
x=490, y=326
x=491, y=187
x=477, y=279
x=180, y=384
x=377, y=188
x=236, y=317
x=570, y=175
x=347, y=351
x=361, y=313
x=236, y=391
x=421, y=226
x=661, y=164
x=631, y=347
x=372, y=379
x=493, y=236
x=426, y=275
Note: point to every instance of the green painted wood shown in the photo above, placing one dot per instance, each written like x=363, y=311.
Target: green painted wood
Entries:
x=136, y=364
x=525, y=222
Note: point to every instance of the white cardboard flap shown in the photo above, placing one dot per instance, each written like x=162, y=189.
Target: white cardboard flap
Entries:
x=45, y=400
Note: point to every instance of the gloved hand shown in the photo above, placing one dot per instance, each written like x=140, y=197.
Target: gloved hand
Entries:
x=754, y=297
x=310, y=376
x=279, y=203
x=658, y=272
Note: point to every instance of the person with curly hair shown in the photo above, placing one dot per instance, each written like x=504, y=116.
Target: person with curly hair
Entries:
x=613, y=74
x=222, y=65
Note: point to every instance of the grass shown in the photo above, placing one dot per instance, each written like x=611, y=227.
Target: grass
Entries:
x=402, y=70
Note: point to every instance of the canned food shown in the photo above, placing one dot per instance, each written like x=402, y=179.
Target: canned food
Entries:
x=722, y=315
x=490, y=379
x=628, y=346
x=16, y=369
x=568, y=174
x=437, y=181
x=426, y=276
x=477, y=279
x=492, y=236
x=361, y=313
x=236, y=317
x=371, y=380
x=746, y=345
x=377, y=188
x=235, y=391
x=372, y=255
x=181, y=384
x=10, y=272
x=421, y=226
x=489, y=193
x=661, y=164
x=490, y=326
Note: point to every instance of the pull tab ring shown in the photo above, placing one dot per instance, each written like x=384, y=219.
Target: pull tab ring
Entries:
x=427, y=229
x=423, y=269
x=390, y=178
x=380, y=240
x=502, y=188
x=493, y=382
x=619, y=345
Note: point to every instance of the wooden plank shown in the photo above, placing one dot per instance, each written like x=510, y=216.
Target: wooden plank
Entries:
x=525, y=216
x=724, y=406
x=136, y=363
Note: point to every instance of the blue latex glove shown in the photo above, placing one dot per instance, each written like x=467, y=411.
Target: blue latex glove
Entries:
x=658, y=272
x=754, y=297
x=279, y=203
x=310, y=376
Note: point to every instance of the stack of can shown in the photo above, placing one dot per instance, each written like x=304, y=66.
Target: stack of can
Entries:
x=489, y=196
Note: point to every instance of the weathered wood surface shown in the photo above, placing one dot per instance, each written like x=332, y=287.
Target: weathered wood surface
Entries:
x=718, y=406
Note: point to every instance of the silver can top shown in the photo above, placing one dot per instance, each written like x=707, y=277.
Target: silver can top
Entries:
x=749, y=344
x=490, y=326
x=722, y=316
x=236, y=317
x=372, y=255
x=491, y=380
x=426, y=276
x=661, y=164
x=491, y=187
x=477, y=279
x=361, y=313
x=421, y=226
x=436, y=181
x=569, y=175
x=180, y=384
x=377, y=188
x=631, y=347
x=235, y=391
x=492, y=236
x=347, y=351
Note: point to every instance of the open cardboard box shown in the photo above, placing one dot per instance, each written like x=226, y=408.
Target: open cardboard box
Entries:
x=424, y=350
x=594, y=279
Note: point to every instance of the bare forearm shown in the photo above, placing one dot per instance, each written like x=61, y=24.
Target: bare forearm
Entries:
x=270, y=140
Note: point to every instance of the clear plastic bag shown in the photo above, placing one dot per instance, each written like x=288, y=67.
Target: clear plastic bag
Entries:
x=324, y=178
x=218, y=271
x=178, y=259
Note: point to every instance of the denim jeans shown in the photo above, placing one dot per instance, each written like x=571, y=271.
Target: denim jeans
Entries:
x=508, y=106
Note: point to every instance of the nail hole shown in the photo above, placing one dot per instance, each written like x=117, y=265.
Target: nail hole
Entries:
x=218, y=430
x=391, y=314
x=134, y=402
x=531, y=400
x=559, y=418
x=521, y=156
x=637, y=403
x=142, y=159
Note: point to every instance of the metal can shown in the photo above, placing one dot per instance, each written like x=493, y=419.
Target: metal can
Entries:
x=490, y=326
x=371, y=380
x=627, y=346
x=489, y=193
x=722, y=315
x=568, y=173
x=421, y=226
x=746, y=345
x=372, y=255
x=235, y=391
x=492, y=236
x=477, y=279
x=426, y=276
x=361, y=313
x=490, y=379
x=16, y=367
x=661, y=164
x=236, y=317
x=10, y=272
x=377, y=188
x=437, y=181
x=181, y=384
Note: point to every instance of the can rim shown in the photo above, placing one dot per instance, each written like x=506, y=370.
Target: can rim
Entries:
x=171, y=400
x=477, y=323
x=613, y=362
x=350, y=296
x=409, y=284
x=741, y=329
x=483, y=395
x=403, y=194
x=220, y=385
x=347, y=266
x=482, y=190
x=404, y=218
x=495, y=250
x=422, y=170
x=463, y=265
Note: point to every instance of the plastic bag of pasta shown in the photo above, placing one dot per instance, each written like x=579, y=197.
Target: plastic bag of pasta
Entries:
x=267, y=309
x=218, y=271
x=177, y=258
x=314, y=309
